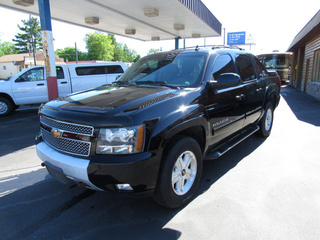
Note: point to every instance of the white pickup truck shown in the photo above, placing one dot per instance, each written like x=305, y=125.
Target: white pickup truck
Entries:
x=29, y=87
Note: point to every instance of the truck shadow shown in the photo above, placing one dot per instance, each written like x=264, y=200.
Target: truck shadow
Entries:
x=305, y=108
x=18, y=130
x=48, y=209
x=213, y=170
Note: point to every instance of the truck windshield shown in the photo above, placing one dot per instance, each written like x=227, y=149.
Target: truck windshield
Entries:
x=172, y=69
x=275, y=61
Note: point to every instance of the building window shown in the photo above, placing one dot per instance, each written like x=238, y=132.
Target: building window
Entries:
x=4, y=67
x=316, y=66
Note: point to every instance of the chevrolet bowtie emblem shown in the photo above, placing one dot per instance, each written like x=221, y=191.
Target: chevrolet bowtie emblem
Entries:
x=56, y=133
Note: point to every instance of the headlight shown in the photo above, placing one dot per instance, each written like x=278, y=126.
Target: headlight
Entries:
x=124, y=140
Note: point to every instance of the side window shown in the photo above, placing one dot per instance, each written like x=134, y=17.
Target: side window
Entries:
x=245, y=67
x=34, y=74
x=95, y=70
x=261, y=70
x=114, y=69
x=60, y=73
x=223, y=64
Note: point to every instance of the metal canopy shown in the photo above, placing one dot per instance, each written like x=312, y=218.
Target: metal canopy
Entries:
x=169, y=19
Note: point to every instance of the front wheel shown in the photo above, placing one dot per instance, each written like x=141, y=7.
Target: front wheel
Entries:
x=266, y=122
x=180, y=173
x=6, y=106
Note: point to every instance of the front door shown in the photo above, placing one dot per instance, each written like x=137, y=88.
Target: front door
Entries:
x=225, y=107
x=30, y=87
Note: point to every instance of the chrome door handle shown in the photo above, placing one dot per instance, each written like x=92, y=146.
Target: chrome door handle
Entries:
x=240, y=97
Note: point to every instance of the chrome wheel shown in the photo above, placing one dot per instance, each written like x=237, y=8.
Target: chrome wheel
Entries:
x=268, y=120
x=3, y=108
x=179, y=173
x=184, y=173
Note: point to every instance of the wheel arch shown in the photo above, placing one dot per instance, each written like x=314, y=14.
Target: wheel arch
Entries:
x=7, y=96
x=195, y=128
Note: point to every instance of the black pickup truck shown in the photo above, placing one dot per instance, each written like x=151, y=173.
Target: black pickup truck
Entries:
x=148, y=133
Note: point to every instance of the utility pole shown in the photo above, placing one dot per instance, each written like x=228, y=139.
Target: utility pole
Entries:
x=75, y=44
x=32, y=42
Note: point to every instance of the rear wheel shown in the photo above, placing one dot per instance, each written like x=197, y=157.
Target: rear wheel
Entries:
x=6, y=106
x=180, y=173
x=266, y=122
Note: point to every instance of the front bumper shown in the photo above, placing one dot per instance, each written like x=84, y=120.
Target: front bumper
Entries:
x=103, y=172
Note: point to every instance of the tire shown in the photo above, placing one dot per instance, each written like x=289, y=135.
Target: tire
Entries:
x=266, y=122
x=179, y=174
x=6, y=106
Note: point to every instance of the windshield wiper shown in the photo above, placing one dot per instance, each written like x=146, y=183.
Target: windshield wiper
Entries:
x=151, y=82
x=126, y=83
x=158, y=83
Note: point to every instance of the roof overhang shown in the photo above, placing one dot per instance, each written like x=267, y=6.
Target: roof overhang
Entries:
x=144, y=19
x=309, y=32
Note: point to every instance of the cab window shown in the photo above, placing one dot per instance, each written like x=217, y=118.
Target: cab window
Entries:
x=245, y=67
x=60, y=73
x=35, y=74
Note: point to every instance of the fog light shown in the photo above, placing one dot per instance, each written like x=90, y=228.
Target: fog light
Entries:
x=124, y=187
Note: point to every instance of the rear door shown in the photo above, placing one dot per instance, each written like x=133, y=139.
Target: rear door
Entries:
x=63, y=81
x=225, y=107
x=254, y=86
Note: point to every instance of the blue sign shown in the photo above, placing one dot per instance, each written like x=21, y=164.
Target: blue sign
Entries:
x=236, y=38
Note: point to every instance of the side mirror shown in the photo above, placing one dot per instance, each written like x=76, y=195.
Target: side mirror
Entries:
x=226, y=80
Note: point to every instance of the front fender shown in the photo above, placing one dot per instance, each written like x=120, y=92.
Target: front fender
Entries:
x=178, y=121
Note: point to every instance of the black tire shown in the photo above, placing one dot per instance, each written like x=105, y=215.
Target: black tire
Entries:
x=176, y=193
x=6, y=106
x=266, y=121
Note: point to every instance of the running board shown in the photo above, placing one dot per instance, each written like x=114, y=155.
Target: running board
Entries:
x=231, y=143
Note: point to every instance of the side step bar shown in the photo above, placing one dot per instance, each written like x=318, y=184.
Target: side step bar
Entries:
x=231, y=143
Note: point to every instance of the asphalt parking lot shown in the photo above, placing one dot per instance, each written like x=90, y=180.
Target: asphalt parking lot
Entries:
x=261, y=189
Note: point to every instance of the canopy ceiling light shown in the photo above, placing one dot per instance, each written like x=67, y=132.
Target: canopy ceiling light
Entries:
x=196, y=35
x=24, y=3
x=130, y=31
x=91, y=20
x=178, y=26
x=155, y=38
x=151, y=12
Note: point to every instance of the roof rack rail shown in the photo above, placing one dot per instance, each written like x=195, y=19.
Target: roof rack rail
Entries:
x=226, y=46
x=196, y=48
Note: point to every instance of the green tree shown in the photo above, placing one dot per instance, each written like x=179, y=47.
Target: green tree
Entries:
x=30, y=39
x=7, y=48
x=69, y=54
x=123, y=53
x=129, y=55
x=99, y=47
x=118, y=52
x=153, y=50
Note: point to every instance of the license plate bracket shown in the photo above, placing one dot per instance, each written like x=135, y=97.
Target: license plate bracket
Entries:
x=57, y=173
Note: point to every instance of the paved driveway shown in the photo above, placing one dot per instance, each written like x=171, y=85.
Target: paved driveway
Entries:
x=261, y=189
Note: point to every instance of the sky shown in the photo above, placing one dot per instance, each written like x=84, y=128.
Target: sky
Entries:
x=273, y=24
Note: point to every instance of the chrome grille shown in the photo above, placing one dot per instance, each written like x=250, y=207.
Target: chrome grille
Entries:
x=69, y=127
x=64, y=144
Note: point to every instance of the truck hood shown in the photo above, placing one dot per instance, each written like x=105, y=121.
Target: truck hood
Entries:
x=112, y=99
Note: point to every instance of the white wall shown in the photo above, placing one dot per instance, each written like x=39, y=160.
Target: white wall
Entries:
x=8, y=70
